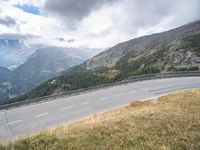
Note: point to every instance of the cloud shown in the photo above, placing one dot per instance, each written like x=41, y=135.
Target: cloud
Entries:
x=73, y=11
x=128, y=19
x=8, y=21
x=135, y=15
x=17, y=36
x=60, y=39
x=70, y=40
x=98, y=23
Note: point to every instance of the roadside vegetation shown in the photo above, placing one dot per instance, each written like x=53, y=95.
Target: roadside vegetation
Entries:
x=170, y=122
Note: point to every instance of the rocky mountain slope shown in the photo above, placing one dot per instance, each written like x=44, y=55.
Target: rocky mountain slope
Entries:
x=44, y=64
x=174, y=50
x=146, y=45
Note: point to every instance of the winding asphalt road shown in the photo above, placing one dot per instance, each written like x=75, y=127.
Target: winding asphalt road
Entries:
x=27, y=119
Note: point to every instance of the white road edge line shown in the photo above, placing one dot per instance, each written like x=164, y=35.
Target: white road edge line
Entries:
x=120, y=94
x=40, y=115
x=85, y=103
x=14, y=122
x=66, y=107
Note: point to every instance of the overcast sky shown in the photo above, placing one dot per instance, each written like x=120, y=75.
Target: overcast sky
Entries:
x=92, y=23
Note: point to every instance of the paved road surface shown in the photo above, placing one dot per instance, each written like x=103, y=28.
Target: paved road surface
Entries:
x=24, y=120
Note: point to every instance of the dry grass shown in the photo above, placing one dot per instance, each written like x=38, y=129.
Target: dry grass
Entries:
x=171, y=122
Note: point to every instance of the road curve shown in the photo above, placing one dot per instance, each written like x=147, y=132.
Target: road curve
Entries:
x=27, y=119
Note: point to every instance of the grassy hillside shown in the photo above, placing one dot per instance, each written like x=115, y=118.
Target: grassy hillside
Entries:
x=174, y=50
x=171, y=122
x=71, y=80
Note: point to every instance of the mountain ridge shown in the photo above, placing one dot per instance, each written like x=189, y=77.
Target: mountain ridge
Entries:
x=174, y=50
x=42, y=65
x=122, y=47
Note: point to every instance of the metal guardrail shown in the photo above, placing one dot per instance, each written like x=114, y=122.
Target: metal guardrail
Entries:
x=81, y=91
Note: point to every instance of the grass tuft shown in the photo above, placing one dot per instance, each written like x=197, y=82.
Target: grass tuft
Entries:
x=171, y=122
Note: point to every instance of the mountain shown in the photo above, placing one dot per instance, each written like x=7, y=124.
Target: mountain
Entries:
x=147, y=45
x=42, y=65
x=4, y=72
x=49, y=61
x=4, y=85
x=174, y=50
x=14, y=52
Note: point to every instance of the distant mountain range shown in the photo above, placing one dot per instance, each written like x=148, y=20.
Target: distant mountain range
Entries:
x=42, y=65
x=14, y=52
x=4, y=74
x=174, y=50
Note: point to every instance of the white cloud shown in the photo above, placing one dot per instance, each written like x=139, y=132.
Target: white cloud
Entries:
x=103, y=27
x=47, y=28
x=128, y=19
x=133, y=18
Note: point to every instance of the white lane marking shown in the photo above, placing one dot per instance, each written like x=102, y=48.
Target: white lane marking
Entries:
x=68, y=98
x=152, y=98
x=14, y=122
x=85, y=103
x=120, y=94
x=133, y=91
x=40, y=115
x=103, y=98
x=66, y=108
